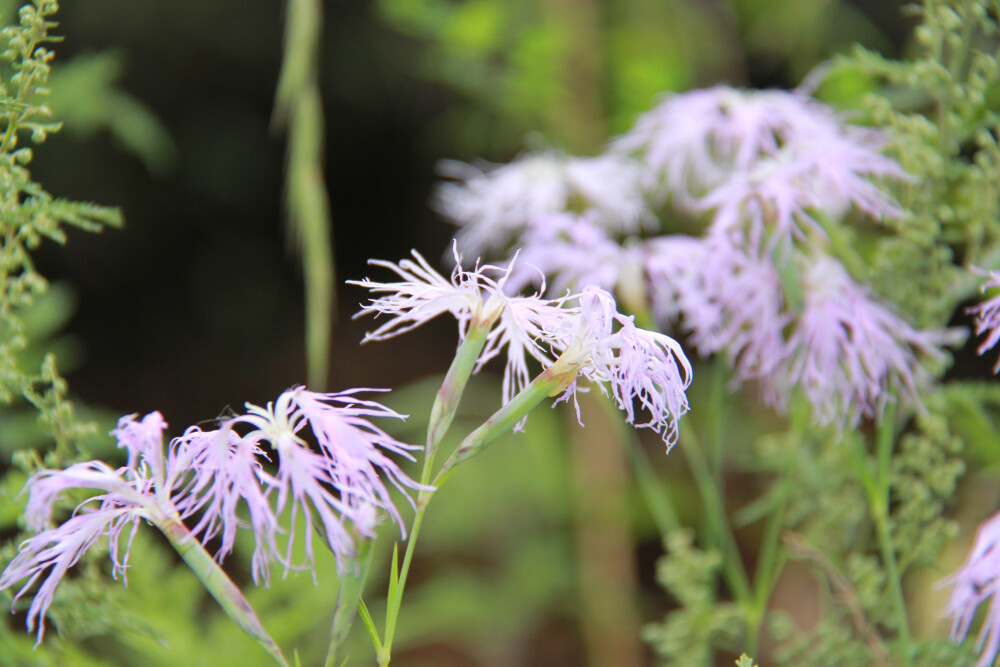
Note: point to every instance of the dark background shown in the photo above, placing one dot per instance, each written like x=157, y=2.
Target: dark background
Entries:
x=196, y=304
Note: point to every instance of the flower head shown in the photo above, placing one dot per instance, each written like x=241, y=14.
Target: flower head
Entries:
x=131, y=494
x=493, y=206
x=339, y=481
x=206, y=474
x=693, y=142
x=642, y=367
x=475, y=298
x=726, y=299
x=762, y=162
x=848, y=351
x=976, y=581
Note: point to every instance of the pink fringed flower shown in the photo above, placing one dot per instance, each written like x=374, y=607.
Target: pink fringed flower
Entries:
x=976, y=581
x=340, y=481
x=584, y=330
x=495, y=205
x=762, y=162
x=206, y=474
x=988, y=317
x=772, y=204
x=518, y=324
x=569, y=251
x=642, y=367
x=848, y=351
x=726, y=299
x=133, y=493
x=693, y=142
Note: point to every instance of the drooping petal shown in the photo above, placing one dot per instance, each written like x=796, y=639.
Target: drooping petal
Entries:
x=977, y=581
x=55, y=550
x=641, y=366
x=848, y=352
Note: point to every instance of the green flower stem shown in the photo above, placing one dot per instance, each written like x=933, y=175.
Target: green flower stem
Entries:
x=216, y=582
x=770, y=561
x=733, y=569
x=396, y=592
x=718, y=406
x=352, y=584
x=877, y=489
x=450, y=393
x=442, y=413
x=548, y=383
x=298, y=108
x=657, y=500
x=880, y=513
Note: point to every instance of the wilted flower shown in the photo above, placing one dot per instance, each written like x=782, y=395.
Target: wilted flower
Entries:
x=495, y=205
x=976, y=581
x=988, y=317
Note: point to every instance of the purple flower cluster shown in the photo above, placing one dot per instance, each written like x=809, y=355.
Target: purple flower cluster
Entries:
x=335, y=484
x=768, y=176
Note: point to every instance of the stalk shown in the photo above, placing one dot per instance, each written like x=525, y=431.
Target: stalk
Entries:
x=352, y=584
x=442, y=413
x=218, y=584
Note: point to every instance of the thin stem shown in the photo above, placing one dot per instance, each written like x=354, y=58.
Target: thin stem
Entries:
x=442, y=413
x=770, y=561
x=733, y=569
x=547, y=384
x=717, y=408
x=657, y=500
x=298, y=107
x=352, y=584
x=501, y=421
x=218, y=584
x=392, y=612
x=448, y=396
x=880, y=514
x=877, y=488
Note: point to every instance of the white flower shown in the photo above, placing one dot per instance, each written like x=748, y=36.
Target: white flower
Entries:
x=498, y=204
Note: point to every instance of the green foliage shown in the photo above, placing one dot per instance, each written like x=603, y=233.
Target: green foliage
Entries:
x=29, y=214
x=86, y=96
x=925, y=473
x=690, y=634
x=941, y=112
x=578, y=73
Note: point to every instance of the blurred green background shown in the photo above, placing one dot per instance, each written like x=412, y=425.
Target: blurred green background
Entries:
x=197, y=303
